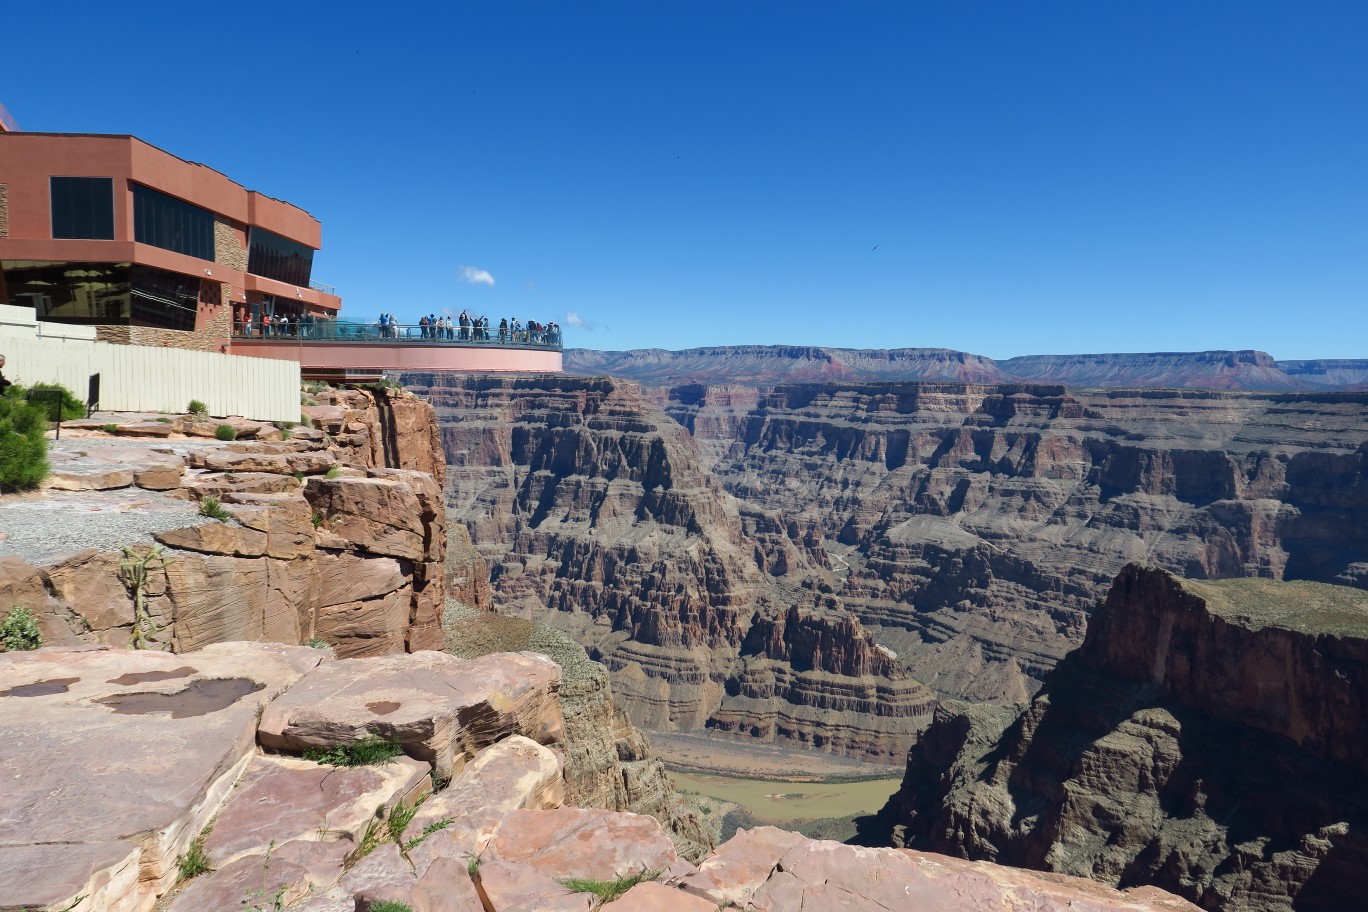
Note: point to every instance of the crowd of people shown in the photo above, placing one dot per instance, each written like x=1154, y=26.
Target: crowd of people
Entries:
x=466, y=328
x=463, y=328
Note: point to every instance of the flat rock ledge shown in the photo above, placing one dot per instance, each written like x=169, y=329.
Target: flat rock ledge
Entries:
x=122, y=767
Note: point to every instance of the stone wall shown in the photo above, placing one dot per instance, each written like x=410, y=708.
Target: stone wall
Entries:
x=207, y=338
x=227, y=249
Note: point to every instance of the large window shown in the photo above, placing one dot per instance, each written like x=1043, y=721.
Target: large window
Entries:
x=118, y=294
x=279, y=258
x=83, y=207
x=172, y=224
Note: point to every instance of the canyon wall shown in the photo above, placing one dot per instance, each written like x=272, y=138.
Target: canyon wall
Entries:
x=1207, y=737
x=336, y=532
x=595, y=513
x=971, y=529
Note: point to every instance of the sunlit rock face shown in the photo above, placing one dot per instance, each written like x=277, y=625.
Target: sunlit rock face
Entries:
x=596, y=512
x=1207, y=737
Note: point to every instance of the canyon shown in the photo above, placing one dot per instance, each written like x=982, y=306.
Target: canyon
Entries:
x=817, y=563
x=1206, y=737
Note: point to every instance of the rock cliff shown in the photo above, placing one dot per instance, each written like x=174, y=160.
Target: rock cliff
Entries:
x=971, y=529
x=1207, y=737
x=595, y=512
x=336, y=532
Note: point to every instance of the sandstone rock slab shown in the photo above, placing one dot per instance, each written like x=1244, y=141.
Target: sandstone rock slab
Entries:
x=171, y=734
x=514, y=774
x=512, y=887
x=56, y=876
x=379, y=515
x=582, y=843
x=280, y=800
x=441, y=708
x=656, y=897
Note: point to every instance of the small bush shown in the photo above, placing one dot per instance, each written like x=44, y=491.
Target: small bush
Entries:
x=212, y=507
x=225, y=432
x=194, y=862
x=316, y=519
x=110, y=428
x=366, y=752
x=19, y=632
x=316, y=643
x=198, y=408
x=333, y=471
x=389, y=905
x=72, y=408
x=23, y=448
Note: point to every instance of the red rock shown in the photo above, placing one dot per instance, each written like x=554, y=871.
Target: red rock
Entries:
x=656, y=897
x=448, y=708
x=280, y=800
x=512, y=887
x=513, y=774
x=384, y=874
x=578, y=842
x=382, y=516
x=446, y=887
x=740, y=865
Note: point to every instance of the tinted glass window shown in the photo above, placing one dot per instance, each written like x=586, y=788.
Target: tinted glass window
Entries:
x=172, y=224
x=164, y=299
x=83, y=207
x=69, y=292
x=279, y=258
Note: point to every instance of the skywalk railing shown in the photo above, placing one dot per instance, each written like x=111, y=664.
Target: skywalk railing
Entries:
x=334, y=331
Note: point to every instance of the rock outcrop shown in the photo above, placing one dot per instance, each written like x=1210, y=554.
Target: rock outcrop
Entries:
x=594, y=512
x=184, y=812
x=337, y=532
x=1207, y=737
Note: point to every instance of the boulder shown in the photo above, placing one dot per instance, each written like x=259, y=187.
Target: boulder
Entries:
x=656, y=897
x=440, y=708
x=379, y=515
x=511, y=887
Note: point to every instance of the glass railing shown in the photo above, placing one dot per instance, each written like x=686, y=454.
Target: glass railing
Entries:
x=336, y=331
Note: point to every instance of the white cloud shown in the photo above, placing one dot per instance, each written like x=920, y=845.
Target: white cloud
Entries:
x=575, y=320
x=473, y=275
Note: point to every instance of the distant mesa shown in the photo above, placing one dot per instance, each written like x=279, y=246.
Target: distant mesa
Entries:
x=773, y=364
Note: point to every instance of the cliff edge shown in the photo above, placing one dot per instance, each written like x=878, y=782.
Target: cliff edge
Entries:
x=1207, y=737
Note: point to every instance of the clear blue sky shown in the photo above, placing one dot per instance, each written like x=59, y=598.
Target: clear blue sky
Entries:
x=1038, y=177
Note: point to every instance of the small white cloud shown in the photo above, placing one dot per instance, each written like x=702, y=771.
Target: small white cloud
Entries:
x=473, y=275
x=575, y=320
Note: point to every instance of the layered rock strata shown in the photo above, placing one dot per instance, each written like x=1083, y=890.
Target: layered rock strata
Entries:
x=184, y=812
x=972, y=529
x=594, y=512
x=1207, y=737
x=336, y=532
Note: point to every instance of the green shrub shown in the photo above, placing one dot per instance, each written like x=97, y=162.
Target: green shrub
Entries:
x=198, y=408
x=225, y=432
x=212, y=507
x=72, y=408
x=334, y=470
x=389, y=905
x=194, y=862
x=110, y=428
x=607, y=890
x=20, y=632
x=369, y=750
x=316, y=643
x=23, y=448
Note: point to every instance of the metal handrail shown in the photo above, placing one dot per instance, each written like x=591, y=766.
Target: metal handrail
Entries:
x=323, y=287
x=335, y=331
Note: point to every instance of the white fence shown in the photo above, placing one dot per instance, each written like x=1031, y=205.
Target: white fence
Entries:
x=139, y=378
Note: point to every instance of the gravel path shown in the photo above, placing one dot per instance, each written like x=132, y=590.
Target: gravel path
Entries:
x=43, y=528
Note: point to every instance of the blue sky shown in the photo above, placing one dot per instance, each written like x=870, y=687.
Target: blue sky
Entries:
x=999, y=177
